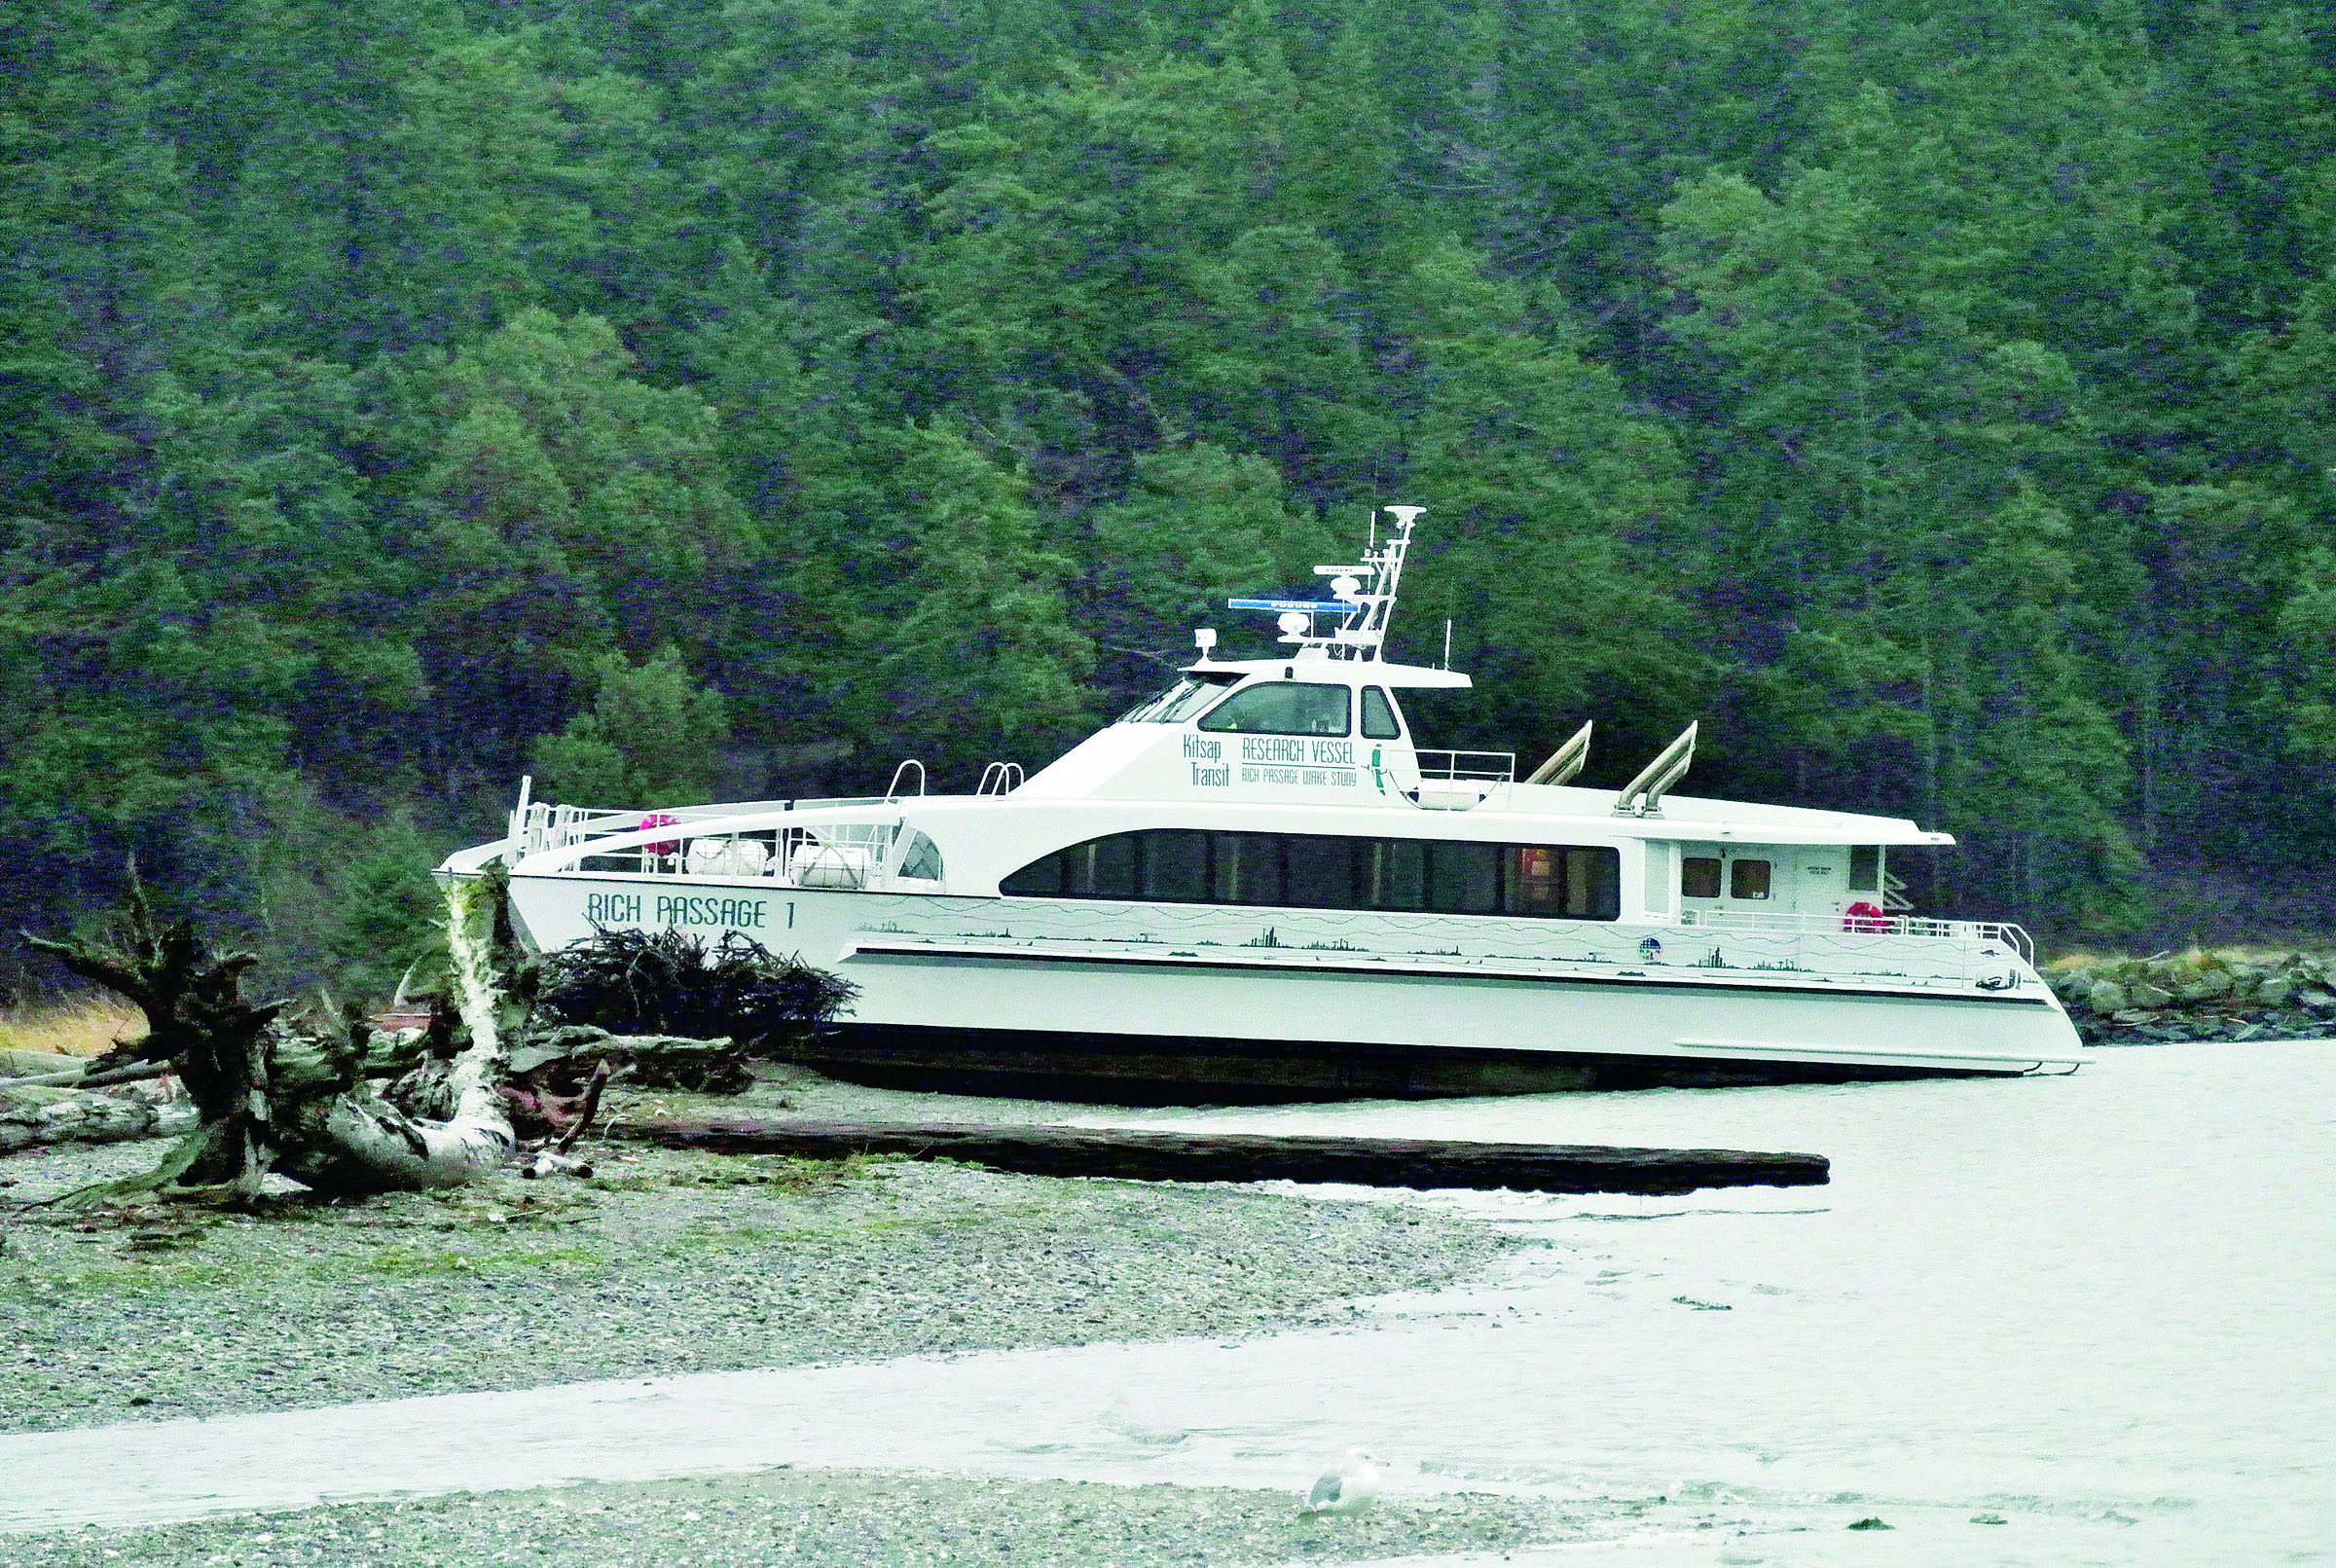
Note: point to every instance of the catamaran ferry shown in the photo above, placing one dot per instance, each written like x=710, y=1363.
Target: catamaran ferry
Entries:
x=1258, y=885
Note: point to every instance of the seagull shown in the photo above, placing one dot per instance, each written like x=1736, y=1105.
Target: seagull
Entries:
x=1346, y=1489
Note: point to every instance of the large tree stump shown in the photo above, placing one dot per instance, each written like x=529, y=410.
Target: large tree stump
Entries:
x=198, y=1020
x=270, y=1096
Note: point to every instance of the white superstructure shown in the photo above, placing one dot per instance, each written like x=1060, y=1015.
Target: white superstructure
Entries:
x=1257, y=884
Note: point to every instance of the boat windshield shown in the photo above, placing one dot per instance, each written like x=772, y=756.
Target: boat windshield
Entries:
x=1179, y=702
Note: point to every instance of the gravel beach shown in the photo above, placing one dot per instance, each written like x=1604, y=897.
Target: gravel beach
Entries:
x=663, y=1261
x=667, y=1261
x=837, y=1516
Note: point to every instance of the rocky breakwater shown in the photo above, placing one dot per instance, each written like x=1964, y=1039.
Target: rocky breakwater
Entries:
x=2198, y=996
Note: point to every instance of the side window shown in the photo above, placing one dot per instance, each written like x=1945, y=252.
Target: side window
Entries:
x=1042, y=878
x=1378, y=717
x=1747, y=879
x=1593, y=884
x=1392, y=873
x=1247, y=869
x=1865, y=868
x=1576, y=883
x=1700, y=877
x=1324, y=871
x=1321, y=873
x=1535, y=879
x=1281, y=708
x=1176, y=866
x=1463, y=879
x=1101, y=868
x=921, y=858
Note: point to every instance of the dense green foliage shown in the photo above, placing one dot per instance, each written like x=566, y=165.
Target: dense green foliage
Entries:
x=400, y=393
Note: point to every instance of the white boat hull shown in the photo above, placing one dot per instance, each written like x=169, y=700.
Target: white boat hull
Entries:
x=1166, y=1001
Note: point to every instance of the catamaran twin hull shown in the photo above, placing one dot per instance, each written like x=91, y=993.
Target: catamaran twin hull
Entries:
x=1142, y=1003
x=1257, y=884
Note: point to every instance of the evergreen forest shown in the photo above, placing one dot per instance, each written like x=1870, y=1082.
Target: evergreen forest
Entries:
x=693, y=399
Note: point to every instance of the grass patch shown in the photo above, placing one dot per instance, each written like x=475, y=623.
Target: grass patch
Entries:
x=85, y=1026
x=409, y=1262
x=776, y=1171
x=113, y=1277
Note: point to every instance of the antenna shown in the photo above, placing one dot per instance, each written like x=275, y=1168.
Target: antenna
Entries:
x=1363, y=596
x=1448, y=642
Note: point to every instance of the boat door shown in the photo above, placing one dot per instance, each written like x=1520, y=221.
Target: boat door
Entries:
x=1737, y=879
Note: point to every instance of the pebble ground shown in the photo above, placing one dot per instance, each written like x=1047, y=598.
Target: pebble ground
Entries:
x=840, y=1517
x=667, y=1261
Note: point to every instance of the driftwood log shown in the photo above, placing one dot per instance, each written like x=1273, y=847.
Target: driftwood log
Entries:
x=1184, y=1156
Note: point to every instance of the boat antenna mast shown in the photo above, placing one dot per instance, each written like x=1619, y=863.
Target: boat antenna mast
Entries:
x=1362, y=595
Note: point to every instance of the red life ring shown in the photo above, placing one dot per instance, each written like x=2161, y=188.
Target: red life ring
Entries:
x=1864, y=917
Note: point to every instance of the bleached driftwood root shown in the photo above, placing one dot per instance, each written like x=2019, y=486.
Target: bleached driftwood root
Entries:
x=272, y=1098
x=358, y=1141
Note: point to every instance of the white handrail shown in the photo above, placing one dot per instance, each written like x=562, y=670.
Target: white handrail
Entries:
x=891, y=791
x=1489, y=767
x=1786, y=922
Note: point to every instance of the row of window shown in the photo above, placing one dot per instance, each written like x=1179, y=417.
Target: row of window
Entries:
x=1274, y=707
x=1699, y=875
x=1699, y=878
x=1319, y=871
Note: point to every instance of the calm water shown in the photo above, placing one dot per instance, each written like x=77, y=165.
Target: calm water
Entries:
x=2102, y=1307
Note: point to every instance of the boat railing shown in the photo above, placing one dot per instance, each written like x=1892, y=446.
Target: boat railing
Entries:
x=1979, y=933
x=546, y=826
x=1468, y=767
x=1001, y=778
x=853, y=856
x=1455, y=780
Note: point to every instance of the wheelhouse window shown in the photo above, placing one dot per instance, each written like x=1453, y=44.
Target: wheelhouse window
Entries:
x=1378, y=717
x=1282, y=708
x=1748, y=879
x=1322, y=871
x=1700, y=877
x=1179, y=702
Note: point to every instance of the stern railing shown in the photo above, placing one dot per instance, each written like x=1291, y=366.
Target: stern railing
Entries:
x=2013, y=936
